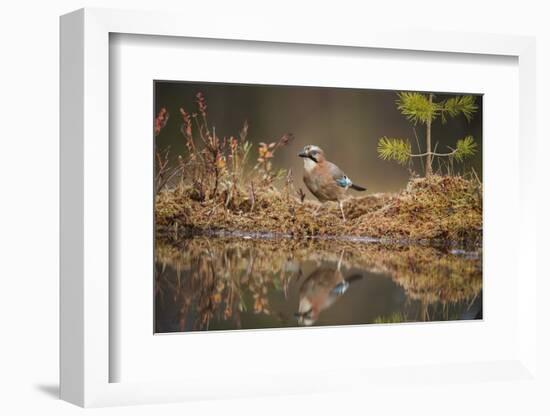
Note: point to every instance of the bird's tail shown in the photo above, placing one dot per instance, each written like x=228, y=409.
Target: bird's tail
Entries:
x=357, y=187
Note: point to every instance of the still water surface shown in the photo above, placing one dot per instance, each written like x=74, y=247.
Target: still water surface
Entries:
x=229, y=283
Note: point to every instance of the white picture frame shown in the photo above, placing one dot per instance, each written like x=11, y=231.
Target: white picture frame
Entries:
x=85, y=212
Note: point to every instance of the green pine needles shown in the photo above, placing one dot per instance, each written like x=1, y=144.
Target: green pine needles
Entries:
x=394, y=149
x=465, y=148
x=422, y=109
x=456, y=106
x=417, y=108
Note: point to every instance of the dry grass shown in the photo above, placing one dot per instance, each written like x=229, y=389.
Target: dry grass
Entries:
x=438, y=209
x=443, y=208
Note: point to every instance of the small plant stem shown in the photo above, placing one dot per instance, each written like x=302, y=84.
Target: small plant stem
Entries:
x=429, y=143
x=418, y=146
x=200, y=128
x=433, y=154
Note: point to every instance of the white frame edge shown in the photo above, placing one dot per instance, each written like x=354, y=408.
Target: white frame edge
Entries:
x=84, y=158
x=71, y=218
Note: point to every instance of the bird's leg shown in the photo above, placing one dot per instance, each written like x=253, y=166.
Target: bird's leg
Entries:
x=341, y=204
x=340, y=261
x=318, y=208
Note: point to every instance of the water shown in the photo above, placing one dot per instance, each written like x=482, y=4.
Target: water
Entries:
x=243, y=283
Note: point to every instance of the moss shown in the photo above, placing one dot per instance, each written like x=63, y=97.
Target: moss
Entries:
x=437, y=209
x=444, y=208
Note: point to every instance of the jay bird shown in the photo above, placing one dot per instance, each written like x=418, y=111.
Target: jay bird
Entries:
x=324, y=179
x=320, y=290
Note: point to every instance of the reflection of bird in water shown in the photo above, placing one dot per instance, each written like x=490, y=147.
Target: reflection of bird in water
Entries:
x=324, y=179
x=320, y=290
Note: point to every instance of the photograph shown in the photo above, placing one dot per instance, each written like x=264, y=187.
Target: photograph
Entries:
x=279, y=206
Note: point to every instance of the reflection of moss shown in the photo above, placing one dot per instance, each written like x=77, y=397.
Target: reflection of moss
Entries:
x=394, y=318
x=437, y=208
x=426, y=274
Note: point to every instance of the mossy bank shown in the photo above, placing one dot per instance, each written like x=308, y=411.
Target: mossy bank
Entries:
x=438, y=209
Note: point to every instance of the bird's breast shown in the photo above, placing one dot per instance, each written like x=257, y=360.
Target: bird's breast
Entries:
x=309, y=165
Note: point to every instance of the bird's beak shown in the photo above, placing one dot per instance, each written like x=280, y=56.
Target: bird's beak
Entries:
x=302, y=154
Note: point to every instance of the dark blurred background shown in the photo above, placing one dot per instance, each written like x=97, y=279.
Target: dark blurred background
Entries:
x=346, y=123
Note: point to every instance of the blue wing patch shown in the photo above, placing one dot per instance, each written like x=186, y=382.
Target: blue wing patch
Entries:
x=340, y=288
x=343, y=181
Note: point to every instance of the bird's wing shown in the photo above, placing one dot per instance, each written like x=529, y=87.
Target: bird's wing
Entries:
x=339, y=176
x=340, y=288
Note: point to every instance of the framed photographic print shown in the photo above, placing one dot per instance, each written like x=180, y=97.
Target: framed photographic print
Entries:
x=254, y=206
x=260, y=228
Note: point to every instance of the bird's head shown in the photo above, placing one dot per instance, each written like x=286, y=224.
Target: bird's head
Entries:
x=307, y=313
x=312, y=152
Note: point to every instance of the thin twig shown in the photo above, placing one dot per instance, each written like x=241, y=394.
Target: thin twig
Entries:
x=477, y=177
x=418, y=145
x=434, y=154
